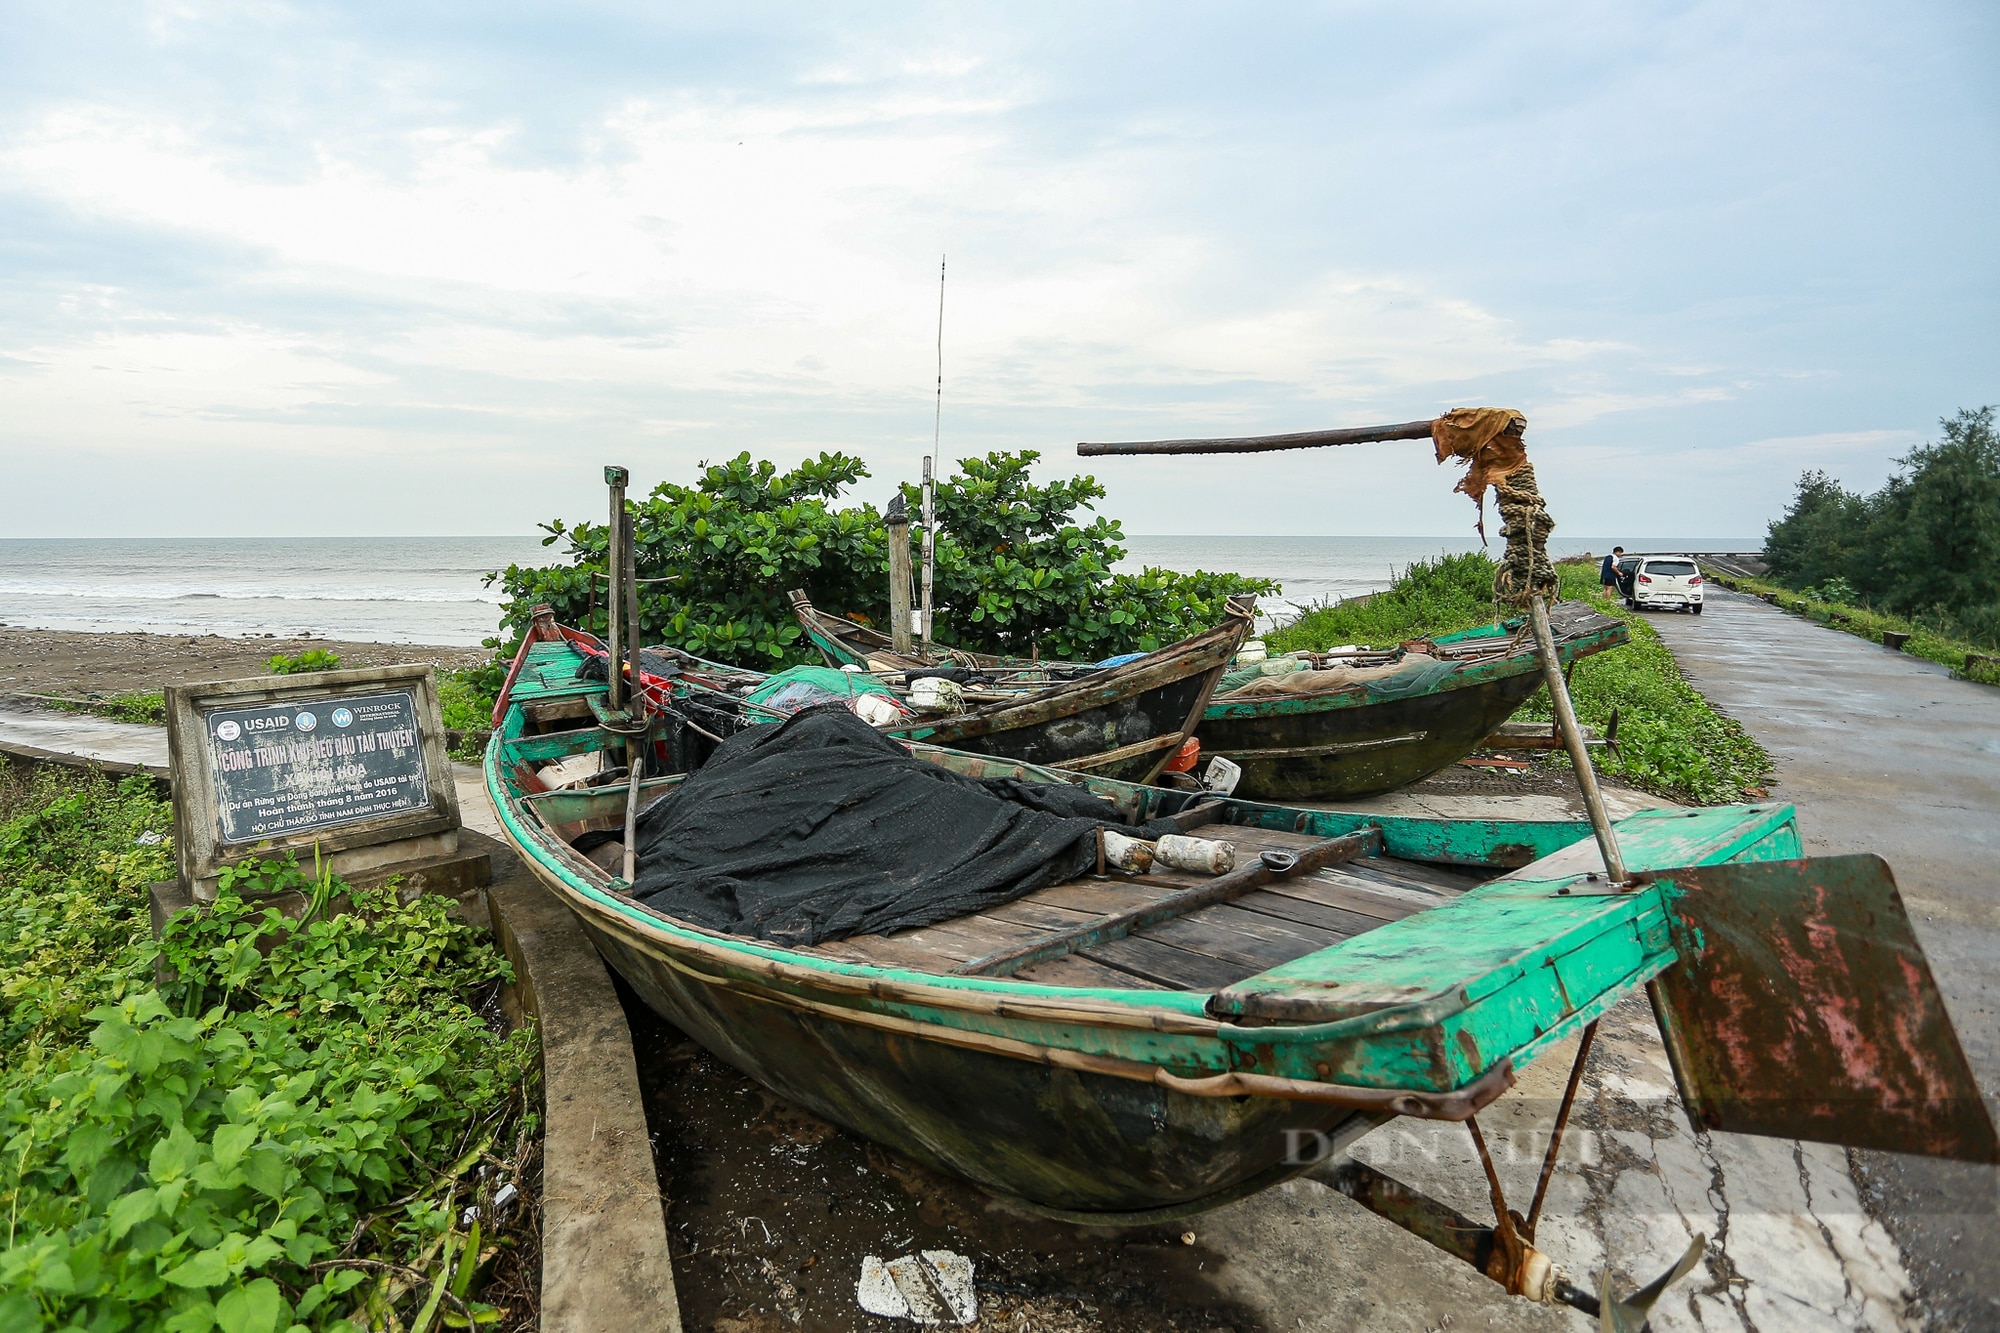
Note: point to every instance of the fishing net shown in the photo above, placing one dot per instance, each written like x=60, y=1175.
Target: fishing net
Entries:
x=821, y=827
x=1490, y=442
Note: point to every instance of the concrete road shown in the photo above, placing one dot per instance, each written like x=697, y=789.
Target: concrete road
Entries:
x=1886, y=753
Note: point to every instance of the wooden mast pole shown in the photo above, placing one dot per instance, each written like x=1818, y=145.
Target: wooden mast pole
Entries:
x=614, y=568
x=898, y=517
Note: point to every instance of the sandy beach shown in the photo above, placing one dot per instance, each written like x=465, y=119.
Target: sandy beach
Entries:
x=71, y=662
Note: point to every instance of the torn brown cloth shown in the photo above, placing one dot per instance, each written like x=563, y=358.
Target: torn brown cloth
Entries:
x=1477, y=437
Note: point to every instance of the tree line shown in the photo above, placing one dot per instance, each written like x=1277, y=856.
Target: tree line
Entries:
x=1925, y=546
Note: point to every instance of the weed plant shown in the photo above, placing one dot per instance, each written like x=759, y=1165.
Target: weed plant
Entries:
x=1672, y=742
x=286, y=1134
x=150, y=708
x=312, y=659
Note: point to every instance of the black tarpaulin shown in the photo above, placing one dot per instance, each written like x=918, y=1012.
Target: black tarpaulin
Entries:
x=821, y=828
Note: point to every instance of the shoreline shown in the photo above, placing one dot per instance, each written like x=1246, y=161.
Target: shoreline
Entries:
x=42, y=661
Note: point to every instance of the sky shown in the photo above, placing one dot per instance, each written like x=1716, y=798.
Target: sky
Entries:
x=407, y=268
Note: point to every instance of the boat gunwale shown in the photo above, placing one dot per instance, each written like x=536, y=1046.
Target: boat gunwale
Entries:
x=1178, y=1012
x=1467, y=675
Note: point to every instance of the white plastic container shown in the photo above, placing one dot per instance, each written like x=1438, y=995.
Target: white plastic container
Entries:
x=1221, y=776
x=935, y=694
x=1200, y=855
x=1132, y=855
x=1251, y=653
x=877, y=710
x=1175, y=851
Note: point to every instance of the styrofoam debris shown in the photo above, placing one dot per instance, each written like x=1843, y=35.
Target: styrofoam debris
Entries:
x=571, y=772
x=929, y=1287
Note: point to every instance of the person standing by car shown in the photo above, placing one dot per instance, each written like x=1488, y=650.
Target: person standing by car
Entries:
x=1607, y=574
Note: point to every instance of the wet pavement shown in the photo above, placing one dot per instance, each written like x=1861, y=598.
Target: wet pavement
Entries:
x=1885, y=753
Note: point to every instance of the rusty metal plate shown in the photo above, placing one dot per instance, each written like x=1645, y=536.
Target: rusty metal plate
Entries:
x=1803, y=1007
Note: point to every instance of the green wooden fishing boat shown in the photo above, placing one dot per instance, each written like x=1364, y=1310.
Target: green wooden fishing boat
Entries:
x=1341, y=738
x=1137, y=1048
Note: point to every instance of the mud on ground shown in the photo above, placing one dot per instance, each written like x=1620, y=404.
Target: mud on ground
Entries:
x=771, y=1210
x=69, y=662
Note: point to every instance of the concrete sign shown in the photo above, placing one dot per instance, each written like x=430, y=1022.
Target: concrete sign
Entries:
x=350, y=764
x=291, y=767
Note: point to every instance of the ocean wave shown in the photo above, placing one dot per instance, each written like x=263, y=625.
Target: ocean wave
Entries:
x=127, y=593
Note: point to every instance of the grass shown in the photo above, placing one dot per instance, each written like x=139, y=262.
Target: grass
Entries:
x=466, y=698
x=251, y=1124
x=150, y=708
x=312, y=659
x=1862, y=622
x=1672, y=742
x=1441, y=596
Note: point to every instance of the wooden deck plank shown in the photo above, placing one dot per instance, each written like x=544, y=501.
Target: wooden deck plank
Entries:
x=1074, y=970
x=1042, y=916
x=1338, y=920
x=1175, y=968
x=1438, y=879
x=1236, y=936
x=1347, y=897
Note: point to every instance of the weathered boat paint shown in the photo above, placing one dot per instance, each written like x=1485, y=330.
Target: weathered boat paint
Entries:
x=1123, y=722
x=1337, y=745
x=1349, y=743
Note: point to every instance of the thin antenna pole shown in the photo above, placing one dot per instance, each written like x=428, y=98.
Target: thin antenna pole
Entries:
x=930, y=479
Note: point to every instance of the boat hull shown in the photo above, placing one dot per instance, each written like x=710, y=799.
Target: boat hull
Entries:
x=1067, y=1143
x=1146, y=724
x=1309, y=749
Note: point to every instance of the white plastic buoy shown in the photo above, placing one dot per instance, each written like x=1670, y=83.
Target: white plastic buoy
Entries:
x=1201, y=855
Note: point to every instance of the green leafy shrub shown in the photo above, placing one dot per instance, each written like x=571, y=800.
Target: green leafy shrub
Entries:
x=280, y=1136
x=313, y=659
x=1015, y=572
x=466, y=697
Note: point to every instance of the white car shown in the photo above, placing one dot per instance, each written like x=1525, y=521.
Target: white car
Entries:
x=1666, y=583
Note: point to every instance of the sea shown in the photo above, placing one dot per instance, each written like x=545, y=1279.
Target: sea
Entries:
x=434, y=590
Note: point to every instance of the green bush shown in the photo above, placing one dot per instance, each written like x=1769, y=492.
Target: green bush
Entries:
x=1015, y=572
x=313, y=659
x=281, y=1136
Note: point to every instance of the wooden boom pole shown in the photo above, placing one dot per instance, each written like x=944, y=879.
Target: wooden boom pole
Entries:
x=1258, y=444
x=1566, y=723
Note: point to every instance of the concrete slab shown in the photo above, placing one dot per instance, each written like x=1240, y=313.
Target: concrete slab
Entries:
x=606, y=1264
x=1886, y=753
x=29, y=730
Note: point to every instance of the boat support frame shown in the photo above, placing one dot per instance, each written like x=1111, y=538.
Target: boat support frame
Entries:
x=1505, y=1251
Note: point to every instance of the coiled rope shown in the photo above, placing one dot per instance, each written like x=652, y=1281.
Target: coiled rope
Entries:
x=1525, y=569
x=1489, y=442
